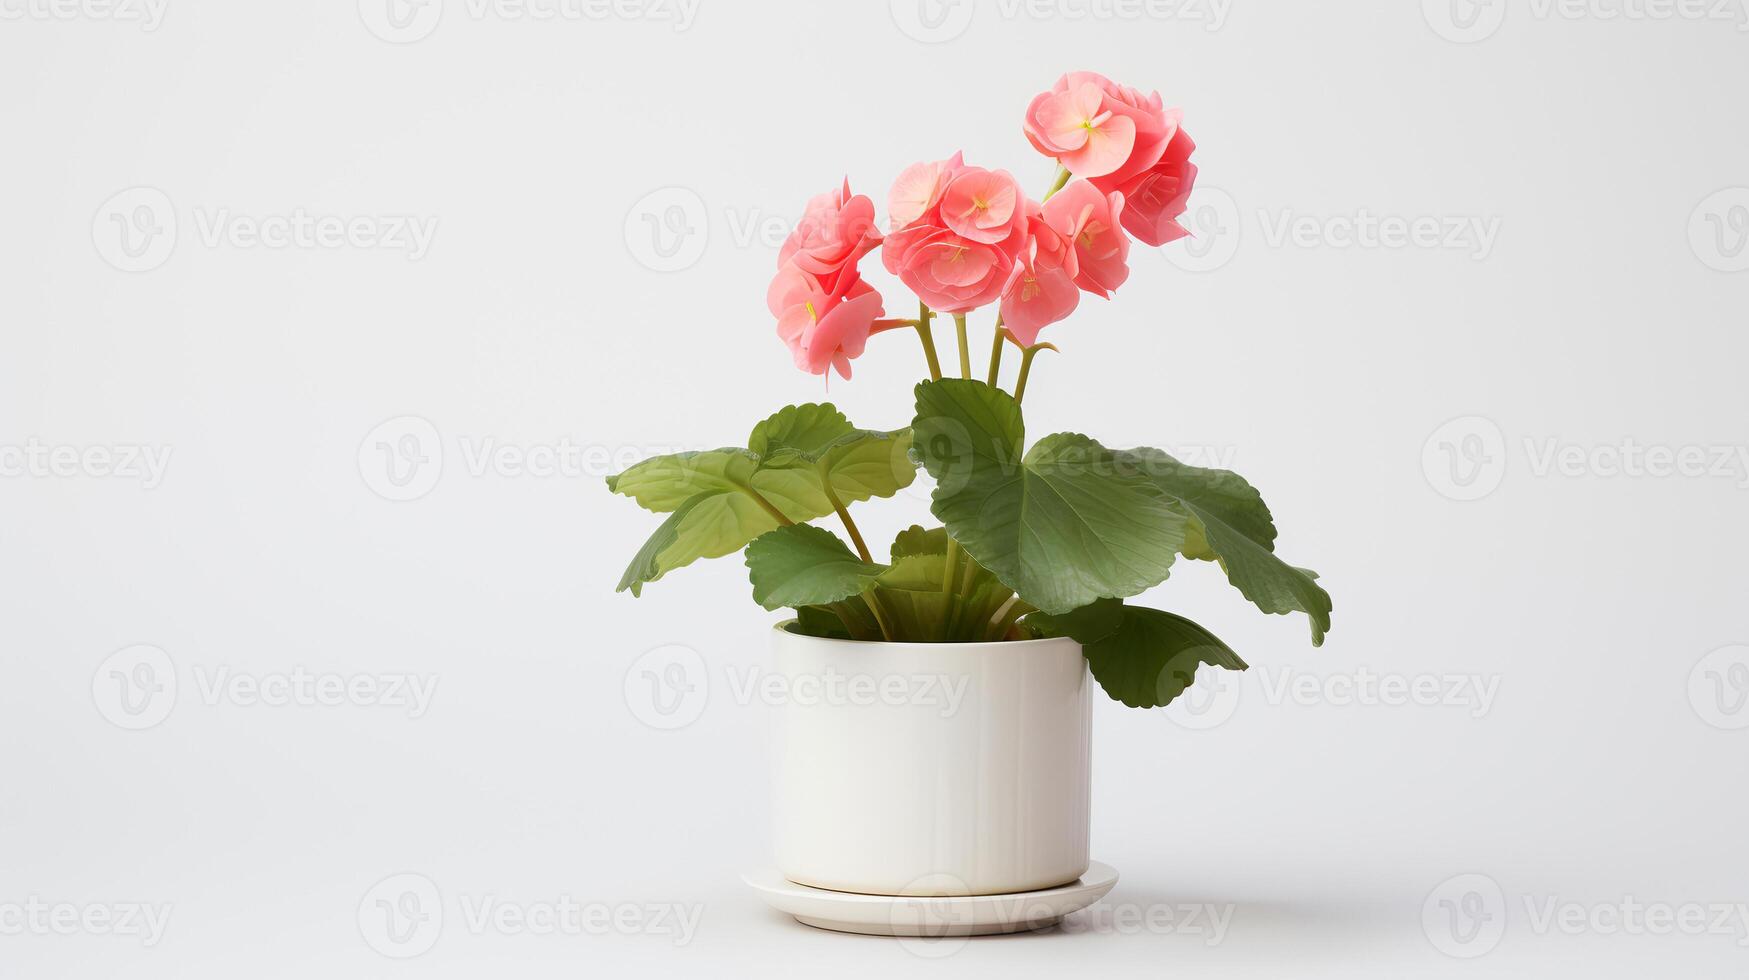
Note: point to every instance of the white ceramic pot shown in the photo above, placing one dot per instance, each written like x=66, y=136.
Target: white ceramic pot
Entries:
x=931, y=768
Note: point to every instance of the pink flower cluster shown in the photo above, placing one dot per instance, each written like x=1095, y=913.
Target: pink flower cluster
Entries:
x=963, y=237
x=824, y=309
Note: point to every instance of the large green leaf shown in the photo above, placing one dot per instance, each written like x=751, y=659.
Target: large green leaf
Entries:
x=1068, y=523
x=800, y=450
x=803, y=565
x=647, y=565
x=858, y=463
x=1142, y=657
x=1231, y=524
x=663, y=483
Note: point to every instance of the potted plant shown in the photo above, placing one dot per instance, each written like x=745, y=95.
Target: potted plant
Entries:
x=1021, y=583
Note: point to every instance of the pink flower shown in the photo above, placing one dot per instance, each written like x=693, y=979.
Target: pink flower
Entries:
x=823, y=327
x=835, y=232
x=956, y=233
x=983, y=205
x=1042, y=288
x=1091, y=222
x=918, y=189
x=1098, y=128
x=1158, y=196
x=954, y=274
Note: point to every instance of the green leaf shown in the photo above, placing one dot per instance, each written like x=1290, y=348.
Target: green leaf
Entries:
x=820, y=621
x=1068, y=523
x=917, y=615
x=858, y=463
x=803, y=565
x=647, y=564
x=1230, y=523
x=801, y=449
x=1142, y=657
x=663, y=483
x=917, y=540
x=804, y=429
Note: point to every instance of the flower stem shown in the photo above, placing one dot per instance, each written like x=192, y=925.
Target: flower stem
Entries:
x=844, y=515
x=1026, y=357
x=1062, y=179
x=996, y=354
x=928, y=338
x=873, y=598
x=768, y=506
x=959, y=326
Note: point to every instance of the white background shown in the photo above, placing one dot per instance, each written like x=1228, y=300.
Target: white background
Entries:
x=560, y=304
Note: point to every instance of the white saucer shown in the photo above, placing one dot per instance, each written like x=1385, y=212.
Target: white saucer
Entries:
x=970, y=915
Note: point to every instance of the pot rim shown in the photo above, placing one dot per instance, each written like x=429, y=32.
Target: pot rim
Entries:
x=784, y=627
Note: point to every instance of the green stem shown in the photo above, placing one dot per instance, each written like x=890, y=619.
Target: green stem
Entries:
x=770, y=508
x=873, y=600
x=1026, y=357
x=844, y=515
x=1062, y=179
x=959, y=326
x=928, y=338
x=953, y=566
x=996, y=354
